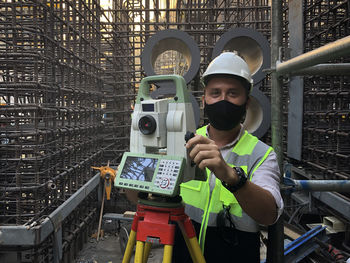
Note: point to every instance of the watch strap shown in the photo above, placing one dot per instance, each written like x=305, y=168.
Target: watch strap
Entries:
x=242, y=179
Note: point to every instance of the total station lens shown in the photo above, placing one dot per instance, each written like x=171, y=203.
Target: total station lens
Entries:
x=147, y=125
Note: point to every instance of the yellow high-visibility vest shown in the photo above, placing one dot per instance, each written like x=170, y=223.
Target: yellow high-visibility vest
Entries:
x=203, y=206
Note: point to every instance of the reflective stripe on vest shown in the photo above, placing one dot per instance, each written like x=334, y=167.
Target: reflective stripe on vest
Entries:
x=203, y=207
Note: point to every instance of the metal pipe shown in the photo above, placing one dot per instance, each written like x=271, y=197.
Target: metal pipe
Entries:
x=325, y=53
x=318, y=185
x=275, y=249
x=325, y=69
x=276, y=82
x=276, y=41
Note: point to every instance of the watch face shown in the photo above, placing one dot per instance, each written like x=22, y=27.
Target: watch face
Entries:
x=240, y=172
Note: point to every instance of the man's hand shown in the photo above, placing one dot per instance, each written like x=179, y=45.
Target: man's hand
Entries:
x=206, y=154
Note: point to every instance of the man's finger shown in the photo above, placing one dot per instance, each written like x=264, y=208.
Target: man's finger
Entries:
x=199, y=148
x=202, y=155
x=197, y=139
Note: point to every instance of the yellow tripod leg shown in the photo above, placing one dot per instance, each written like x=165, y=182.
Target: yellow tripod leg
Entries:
x=168, y=253
x=146, y=251
x=197, y=252
x=129, y=247
x=139, y=251
x=189, y=246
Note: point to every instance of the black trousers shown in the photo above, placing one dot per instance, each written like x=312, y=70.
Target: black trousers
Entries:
x=244, y=246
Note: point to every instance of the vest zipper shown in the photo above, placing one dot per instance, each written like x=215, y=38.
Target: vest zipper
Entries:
x=204, y=223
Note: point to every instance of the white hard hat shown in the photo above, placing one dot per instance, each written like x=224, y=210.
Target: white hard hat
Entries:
x=229, y=63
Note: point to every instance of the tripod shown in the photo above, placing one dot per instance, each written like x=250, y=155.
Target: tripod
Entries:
x=153, y=224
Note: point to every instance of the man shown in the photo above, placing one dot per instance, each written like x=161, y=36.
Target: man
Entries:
x=242, y=189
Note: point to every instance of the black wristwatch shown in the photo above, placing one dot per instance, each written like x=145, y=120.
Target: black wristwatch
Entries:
x=242, y=179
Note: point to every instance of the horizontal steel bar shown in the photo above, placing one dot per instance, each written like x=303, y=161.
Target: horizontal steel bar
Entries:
x=324, y=69
x=115, y=216
x=336, y=202
x=182, y=9
x=29, y=236
x=322, y=54
x=318, y=185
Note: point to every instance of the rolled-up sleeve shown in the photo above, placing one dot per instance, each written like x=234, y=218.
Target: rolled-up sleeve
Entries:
x=267, y=176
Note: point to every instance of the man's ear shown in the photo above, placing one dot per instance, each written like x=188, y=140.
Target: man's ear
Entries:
x=248, y=102
x=203, y=100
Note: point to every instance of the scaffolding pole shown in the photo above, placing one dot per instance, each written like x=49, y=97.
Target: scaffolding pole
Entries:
x=317, y=185
x=339, y=69
x=275, y=249
x=327, y=52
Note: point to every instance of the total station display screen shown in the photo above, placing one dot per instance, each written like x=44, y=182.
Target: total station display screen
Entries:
x=139, y=168
x=148, y=107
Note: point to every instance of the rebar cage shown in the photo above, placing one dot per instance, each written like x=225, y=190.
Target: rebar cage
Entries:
x=326, y=126
x=69, y=74
x=51, y=104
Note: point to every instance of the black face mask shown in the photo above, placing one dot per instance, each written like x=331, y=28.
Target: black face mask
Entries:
x=224, y=115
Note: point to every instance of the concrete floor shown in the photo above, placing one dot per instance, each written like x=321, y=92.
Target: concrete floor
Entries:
x=107, y=250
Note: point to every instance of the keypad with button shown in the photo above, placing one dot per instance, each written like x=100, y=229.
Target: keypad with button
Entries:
x=168, y=172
